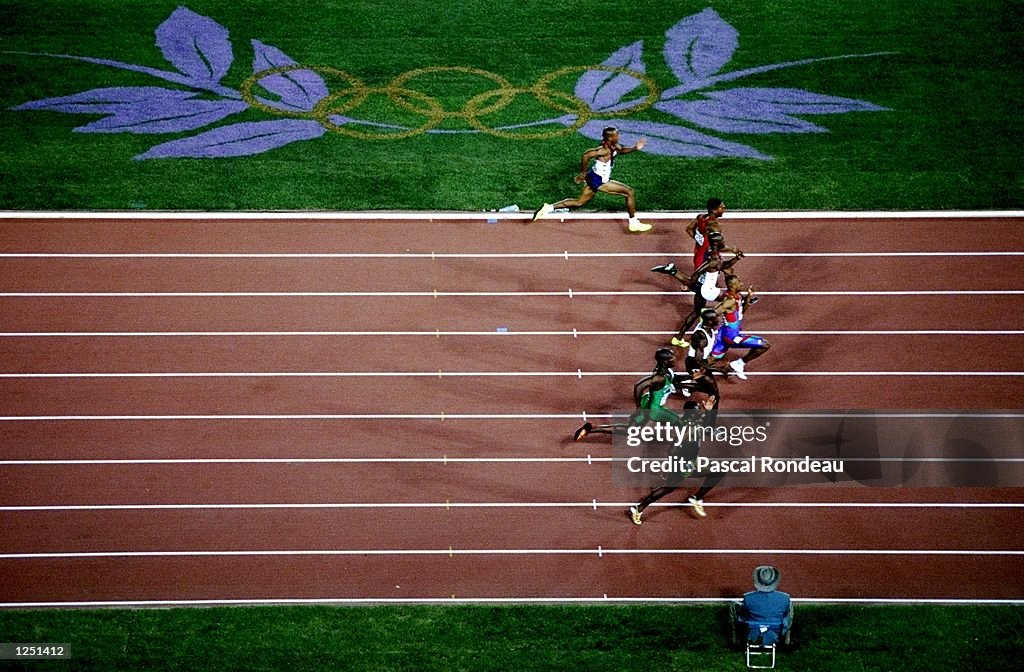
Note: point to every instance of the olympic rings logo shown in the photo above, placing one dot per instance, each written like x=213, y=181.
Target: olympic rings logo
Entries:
x=354, y=92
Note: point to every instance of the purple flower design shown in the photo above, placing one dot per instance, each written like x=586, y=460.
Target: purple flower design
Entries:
x=295, y=89
x=197, y=45
x=696, y=49
x=671, y=139
x=238, y=139
x=603, y=90
x=199, y=49
x=699, y=46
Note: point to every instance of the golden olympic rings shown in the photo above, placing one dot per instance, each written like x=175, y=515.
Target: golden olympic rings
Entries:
x=354, y=93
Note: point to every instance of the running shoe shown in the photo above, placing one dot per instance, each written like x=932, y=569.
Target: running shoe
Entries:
x=582, y=432
x=737, y=366
x=698, y=507
x=667, y=269
x=680, y=342
x=636, y=226
x=543, y=211
x=634, y=515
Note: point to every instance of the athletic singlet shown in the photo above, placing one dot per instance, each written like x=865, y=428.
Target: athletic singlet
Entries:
x=707, y=348
x=734, y=317
x=603, y=169
x=703, y=278
x=657, y=398
x=700, y=239
x=709, y=279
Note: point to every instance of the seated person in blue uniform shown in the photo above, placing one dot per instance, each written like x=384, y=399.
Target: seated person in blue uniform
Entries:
x=765, y=614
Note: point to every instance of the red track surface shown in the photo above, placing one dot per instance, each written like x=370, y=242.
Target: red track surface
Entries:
x=345, y=530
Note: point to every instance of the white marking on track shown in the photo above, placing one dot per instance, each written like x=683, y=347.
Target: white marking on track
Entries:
x=506, y=551
x=510, y=505
x=373, y=215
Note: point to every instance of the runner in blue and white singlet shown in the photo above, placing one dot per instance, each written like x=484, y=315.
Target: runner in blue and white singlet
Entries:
x=596, y=175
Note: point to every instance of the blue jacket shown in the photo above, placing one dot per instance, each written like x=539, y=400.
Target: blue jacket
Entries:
x=766, y=608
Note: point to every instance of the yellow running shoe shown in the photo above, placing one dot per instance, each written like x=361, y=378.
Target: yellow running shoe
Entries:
x=636, y=226
x=634, y=515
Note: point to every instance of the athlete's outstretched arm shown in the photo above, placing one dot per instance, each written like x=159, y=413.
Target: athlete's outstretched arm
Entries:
x=732, y=262
x=640, y=144
x=748, y=298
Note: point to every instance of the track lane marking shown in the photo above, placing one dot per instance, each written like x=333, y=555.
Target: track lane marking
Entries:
x=434, y=256
x=447, y=505
x=438, y=416
x=579, y=374
x=445, y=460
x=569, y=293
x=438, y=333
x=492, y=600
x=451, y=552
x=431, y=215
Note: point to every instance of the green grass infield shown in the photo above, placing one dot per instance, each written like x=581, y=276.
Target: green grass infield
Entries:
x=826, y=637
x=908, y=105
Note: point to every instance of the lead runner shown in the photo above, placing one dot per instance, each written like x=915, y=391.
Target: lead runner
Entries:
x=597, y=178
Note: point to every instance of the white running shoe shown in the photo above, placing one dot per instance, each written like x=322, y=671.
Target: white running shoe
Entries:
x=543, y=211
x=636, y=226
x=737, y=366
x=698, y=506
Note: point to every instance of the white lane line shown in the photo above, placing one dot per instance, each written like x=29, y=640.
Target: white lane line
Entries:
x=568, y=293
x=504, y=416
x=579, y=374
x=467, y=460
x=350, y=460
x=317, y=416
x=565, y=255
x=575, y=333
x=508, y=505
x=489, y=600
x=442, y=216
x=507, y=551
x=447, y=416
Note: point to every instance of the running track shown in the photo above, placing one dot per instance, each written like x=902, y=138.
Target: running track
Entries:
x=218, y=410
